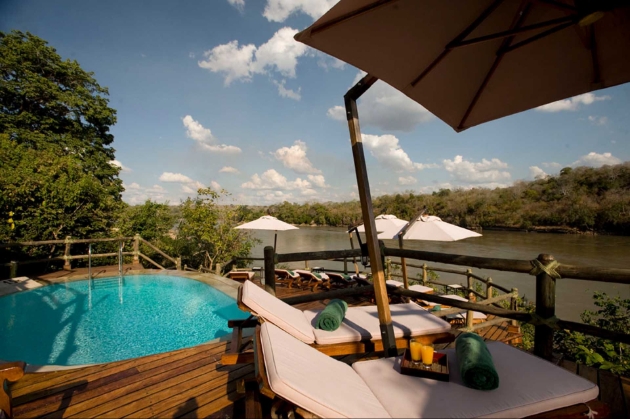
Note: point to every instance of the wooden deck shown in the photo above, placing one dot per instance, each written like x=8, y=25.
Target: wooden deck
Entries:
x=192, y=383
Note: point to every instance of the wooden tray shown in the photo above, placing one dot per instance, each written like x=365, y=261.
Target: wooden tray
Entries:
x=439, y=369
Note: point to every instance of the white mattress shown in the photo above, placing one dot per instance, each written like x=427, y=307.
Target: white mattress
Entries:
x=528, y=386
x=314, y=381
x=361, y=323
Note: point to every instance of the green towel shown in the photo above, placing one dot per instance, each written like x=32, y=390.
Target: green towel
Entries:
x=475, y=362
x=331, y=317
x=291, y=273
x=317, y=275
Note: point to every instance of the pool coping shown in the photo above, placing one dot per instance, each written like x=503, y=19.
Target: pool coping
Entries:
x=220, y=283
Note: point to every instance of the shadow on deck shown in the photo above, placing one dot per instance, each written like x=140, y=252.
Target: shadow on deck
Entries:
x=191, y=383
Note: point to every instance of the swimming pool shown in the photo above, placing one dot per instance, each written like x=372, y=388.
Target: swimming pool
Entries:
x=69, y=324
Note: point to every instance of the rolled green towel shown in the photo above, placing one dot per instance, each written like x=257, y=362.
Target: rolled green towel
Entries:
x=475, y=362
x=331, y=317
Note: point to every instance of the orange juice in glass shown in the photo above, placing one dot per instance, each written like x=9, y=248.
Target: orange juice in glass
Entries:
x=415, y=347
x=427, y=355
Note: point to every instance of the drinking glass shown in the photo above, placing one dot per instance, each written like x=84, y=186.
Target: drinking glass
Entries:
x=427, y=355
x=415, y=347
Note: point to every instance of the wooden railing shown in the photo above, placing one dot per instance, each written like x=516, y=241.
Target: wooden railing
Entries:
x=68, y=257
x=545, y=269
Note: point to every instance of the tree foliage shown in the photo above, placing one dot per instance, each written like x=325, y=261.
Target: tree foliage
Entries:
x=55, y=145
x=206, y=233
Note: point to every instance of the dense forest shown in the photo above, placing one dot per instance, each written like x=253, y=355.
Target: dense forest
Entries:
x=581, y=199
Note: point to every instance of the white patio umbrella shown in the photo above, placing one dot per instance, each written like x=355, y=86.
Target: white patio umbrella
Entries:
x=386, y=224
x=267, y=222
x=432, y=228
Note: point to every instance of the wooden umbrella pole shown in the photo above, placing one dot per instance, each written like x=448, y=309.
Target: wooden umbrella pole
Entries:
x=378, y=276
x=403, y=264
x=275, y=239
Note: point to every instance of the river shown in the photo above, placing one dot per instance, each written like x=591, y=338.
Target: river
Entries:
x=572, y=296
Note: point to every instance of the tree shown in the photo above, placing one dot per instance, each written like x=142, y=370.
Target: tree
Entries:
x=56, y=174
x=151, y=220
x=206, y=233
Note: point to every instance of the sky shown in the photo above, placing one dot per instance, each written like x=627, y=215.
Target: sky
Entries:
x=216, y=93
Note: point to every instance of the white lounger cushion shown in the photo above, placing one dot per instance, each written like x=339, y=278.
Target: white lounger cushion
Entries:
x=316, y=382
x=361, y=323
x=278, y=312
x=417, y=287
x=528, y=385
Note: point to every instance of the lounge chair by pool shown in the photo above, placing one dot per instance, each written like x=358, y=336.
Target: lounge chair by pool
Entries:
x=326, y=387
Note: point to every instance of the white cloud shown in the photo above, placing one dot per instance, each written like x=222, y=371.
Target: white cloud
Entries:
x=271, y=179
x=338, y=113
x=205, y=139
x=279, y=54
x=280, y=10
x=284, y=92
x=123, y=168
x=407, y=180
x=187, y=183
x=294, y=158
x=593, y=159
x=309, y=192
x=484, y=172
x=215, y=185
x=387, y=151
x=318, y=180
x=552, y=165
x=537, y=173
x=229, y=169
x=598, y=120
x=386, y=108
x=327, y=62
x=135, y=194
x=238, y=4
x=572, y=104
x=191, y=55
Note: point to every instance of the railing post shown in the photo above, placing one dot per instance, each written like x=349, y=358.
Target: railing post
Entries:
x=489, y=288
x=136, y=248
x=178, y=263
x=470, y=318
x=388, y=266
x=545, y=308
x=514, y=304
x=471, y=295
x=217, y=269
x=306, y=264
x=424, y=274
x=270, y=274
x=66, y=264
x=13, y=269
x=345, y=266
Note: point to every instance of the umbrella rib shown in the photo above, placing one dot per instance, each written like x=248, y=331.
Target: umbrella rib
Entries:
x=539, y=36
x=458, y=39
x=351, y=15
x=521, y=14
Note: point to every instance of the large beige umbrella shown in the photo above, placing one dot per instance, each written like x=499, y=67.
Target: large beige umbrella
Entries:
x=432, y=228
x=267, y=222
x=386, y=225
x=470, y=62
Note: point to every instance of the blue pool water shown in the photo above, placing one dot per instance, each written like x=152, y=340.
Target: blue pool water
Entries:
x=58, y=324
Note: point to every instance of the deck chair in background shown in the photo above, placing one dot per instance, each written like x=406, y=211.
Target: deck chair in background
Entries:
x=341, y=280
x=458, y=318
x=240, y=275
x=321, y=386
x=9, y=372
x=288, y=277
x=359, y=332
x=314, y=280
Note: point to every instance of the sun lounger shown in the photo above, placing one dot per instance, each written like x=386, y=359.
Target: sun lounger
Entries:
x=11, y=372
x=314, y=280
x=359, y=332
x=478, y=317
x=326, y=387
x=417, y=287
x=341, y=280
x=290, y=277
x=240, y=275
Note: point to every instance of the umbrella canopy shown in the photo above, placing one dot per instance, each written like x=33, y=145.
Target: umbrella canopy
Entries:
x=433, y=228
x=386, y=224
x=469, y=62
x=267, y=222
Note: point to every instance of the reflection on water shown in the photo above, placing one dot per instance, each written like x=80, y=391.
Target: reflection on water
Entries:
x=572, y=296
